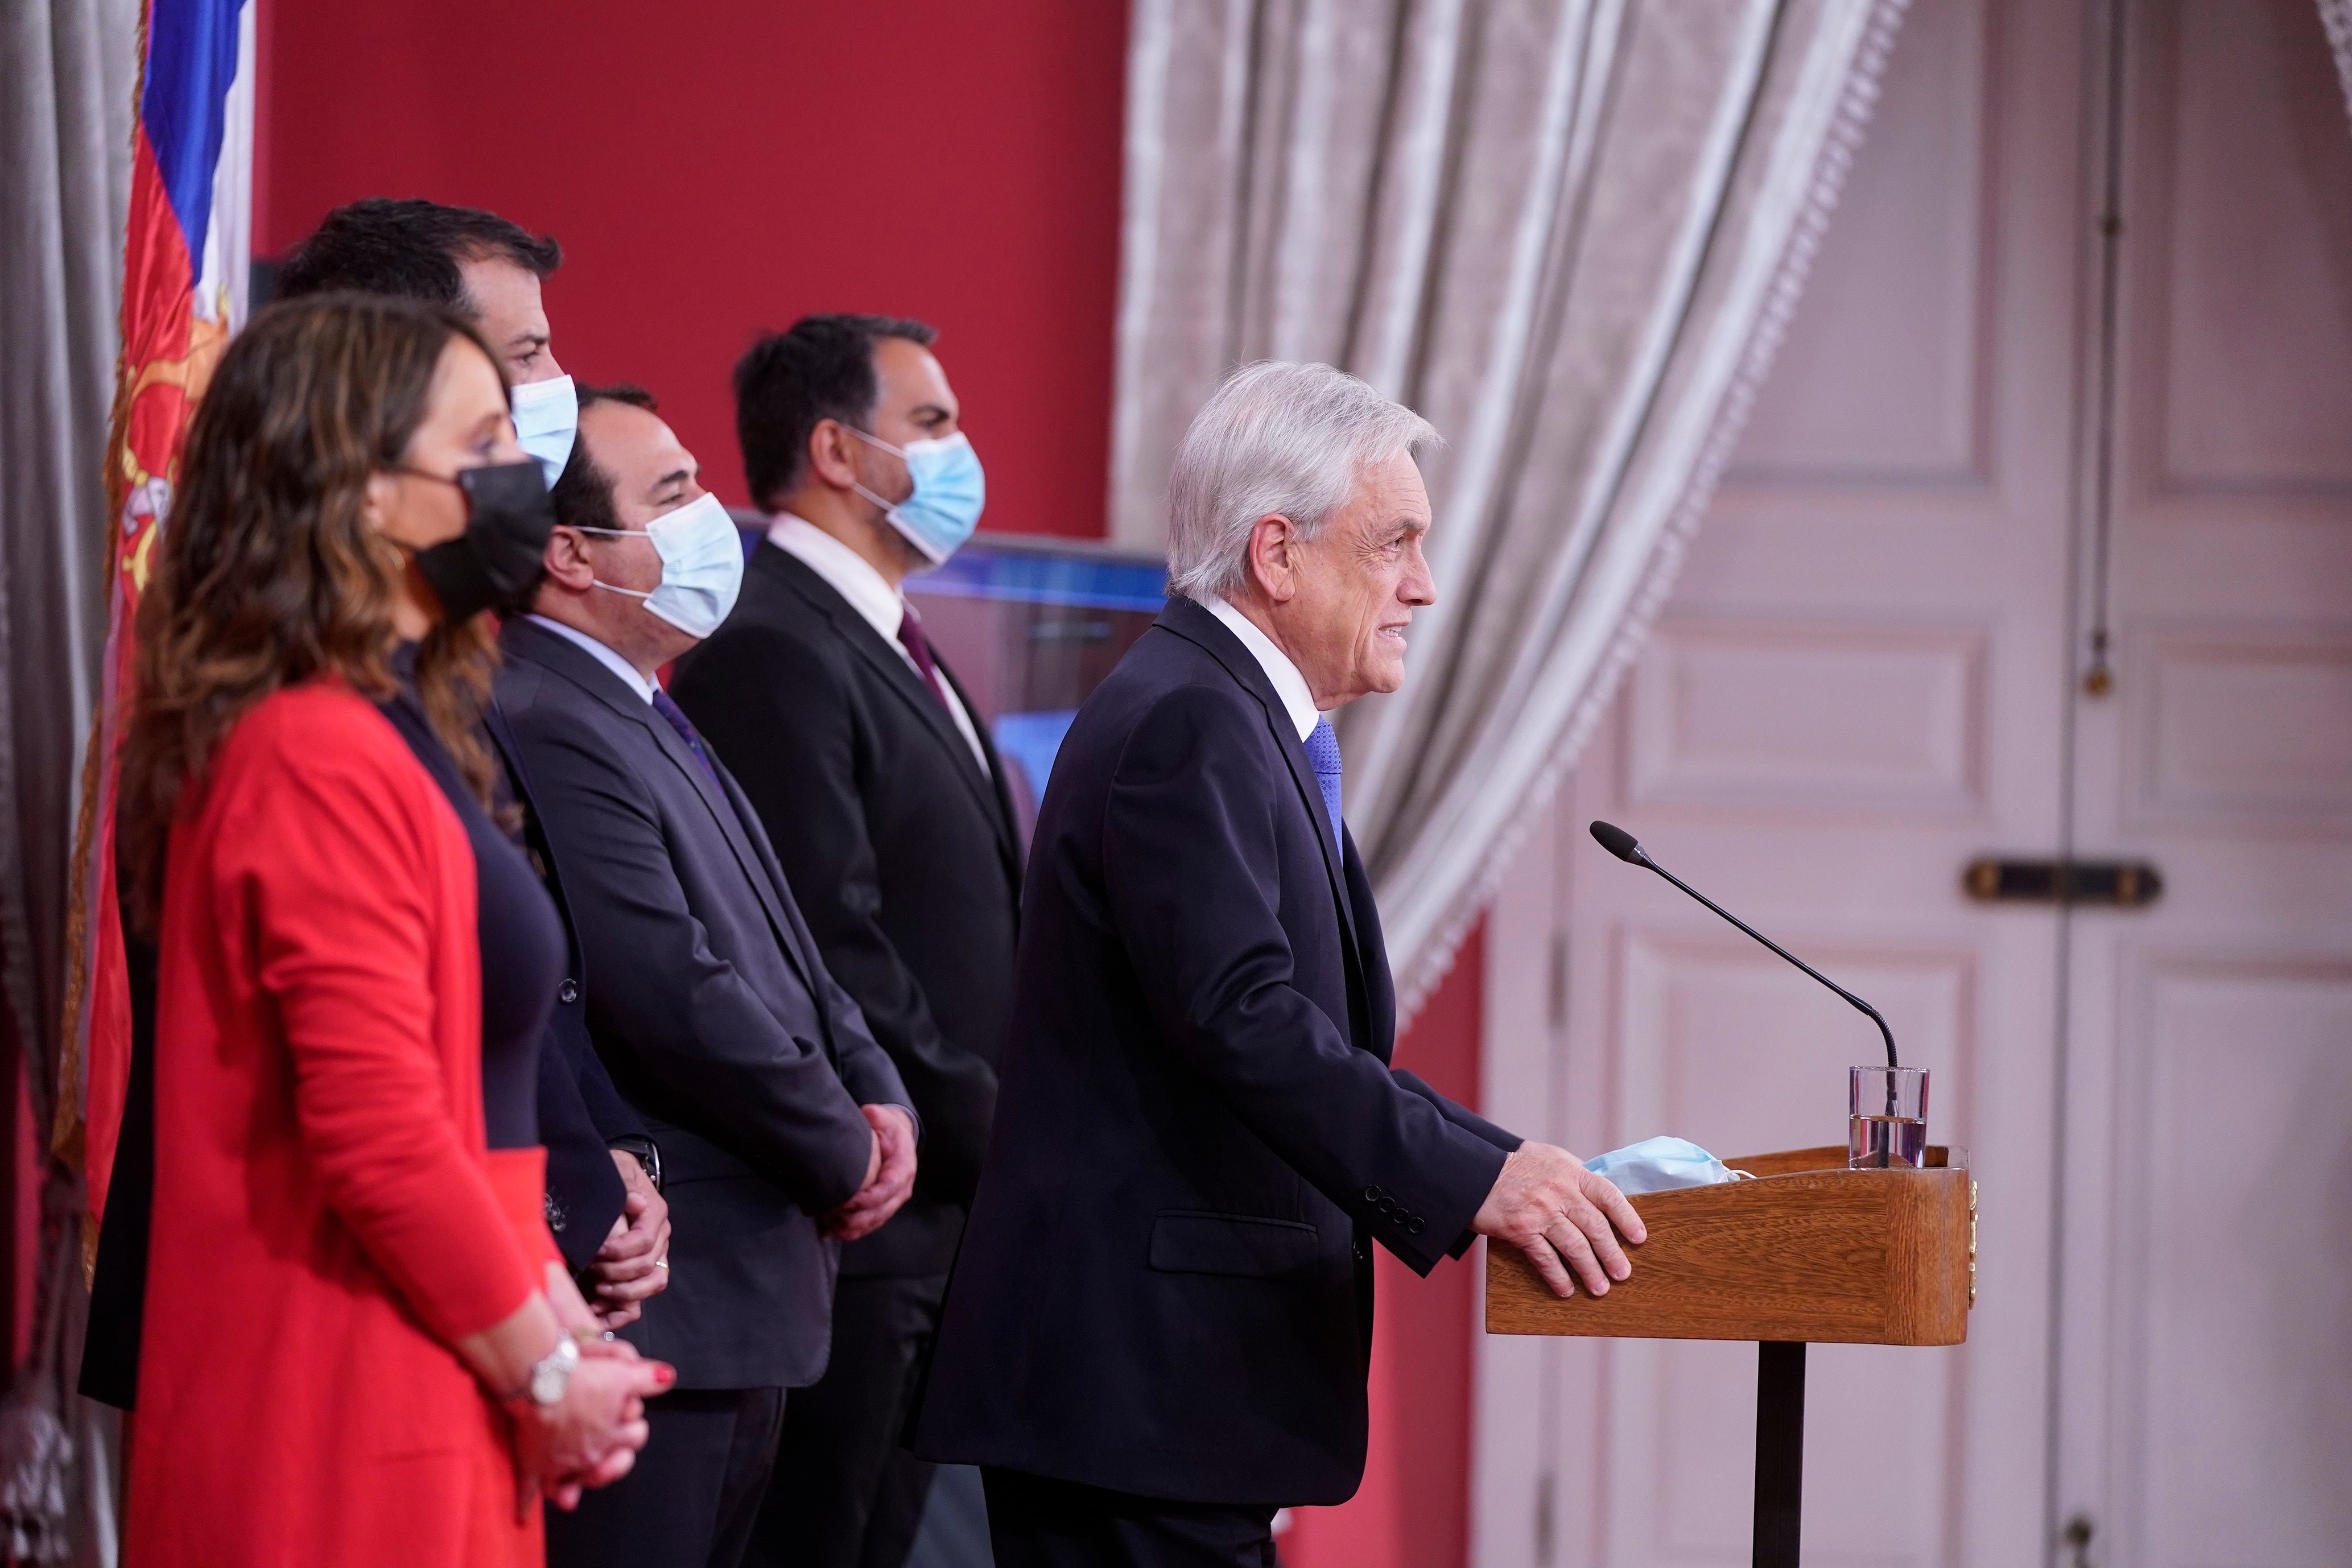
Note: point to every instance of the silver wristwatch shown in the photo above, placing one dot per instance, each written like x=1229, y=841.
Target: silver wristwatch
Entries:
x=548, y=1381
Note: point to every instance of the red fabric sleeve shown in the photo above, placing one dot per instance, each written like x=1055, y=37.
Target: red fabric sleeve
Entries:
x=334, y=859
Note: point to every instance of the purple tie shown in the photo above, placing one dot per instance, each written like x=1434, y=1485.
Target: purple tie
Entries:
x=686, y=731
x=919, y=648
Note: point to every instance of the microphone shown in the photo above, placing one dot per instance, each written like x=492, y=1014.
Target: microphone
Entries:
x=1626, y=848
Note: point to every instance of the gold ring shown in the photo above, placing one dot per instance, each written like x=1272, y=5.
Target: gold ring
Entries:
x=662, y=1264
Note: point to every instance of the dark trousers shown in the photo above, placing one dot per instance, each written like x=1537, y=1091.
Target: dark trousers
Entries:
x=845, y=1494
x=691, y=1497
x=1034, y=1522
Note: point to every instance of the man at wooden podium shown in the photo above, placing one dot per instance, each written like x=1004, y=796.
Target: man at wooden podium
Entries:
x=1158, y=1329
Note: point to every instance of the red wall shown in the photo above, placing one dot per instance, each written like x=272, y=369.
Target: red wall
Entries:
x=1413, y=1511
x=719, y=165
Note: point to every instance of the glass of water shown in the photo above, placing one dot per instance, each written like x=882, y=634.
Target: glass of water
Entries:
x=1886, y=1120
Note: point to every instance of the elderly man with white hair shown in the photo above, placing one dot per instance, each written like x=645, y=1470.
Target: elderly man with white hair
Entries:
x=1159, y=1327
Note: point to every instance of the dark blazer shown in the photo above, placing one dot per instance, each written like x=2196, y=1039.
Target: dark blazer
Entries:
x=1165, y=1287
x=580, y=1112
x=713, y=1013
x=904, y=850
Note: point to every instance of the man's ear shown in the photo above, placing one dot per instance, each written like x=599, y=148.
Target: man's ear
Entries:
x=568, y=565
x=831, y=456
x=1273, y=557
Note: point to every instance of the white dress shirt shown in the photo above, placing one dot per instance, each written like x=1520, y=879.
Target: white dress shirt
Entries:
x=1288, y=684
x=636, y=679
x=870, y=594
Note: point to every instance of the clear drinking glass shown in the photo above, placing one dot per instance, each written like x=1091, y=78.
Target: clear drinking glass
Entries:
x=1886, y=1120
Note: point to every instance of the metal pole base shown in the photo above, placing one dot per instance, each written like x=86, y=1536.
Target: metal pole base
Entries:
x=1779, y=1452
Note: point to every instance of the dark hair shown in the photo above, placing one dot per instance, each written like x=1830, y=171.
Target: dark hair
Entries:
x=268, y=573
x=789, y=381
x=410, y=247
x=582, y=496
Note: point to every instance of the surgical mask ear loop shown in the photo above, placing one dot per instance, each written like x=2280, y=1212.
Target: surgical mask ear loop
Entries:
x=898, y=452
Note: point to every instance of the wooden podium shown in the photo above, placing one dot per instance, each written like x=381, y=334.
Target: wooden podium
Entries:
x=1809, y=1252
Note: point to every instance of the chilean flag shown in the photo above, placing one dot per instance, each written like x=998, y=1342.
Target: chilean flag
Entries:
x=186, y=253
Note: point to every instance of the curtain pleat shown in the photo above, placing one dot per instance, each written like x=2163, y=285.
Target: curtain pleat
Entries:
x=2336, y=15
x=1568, y=232
x=65, y=103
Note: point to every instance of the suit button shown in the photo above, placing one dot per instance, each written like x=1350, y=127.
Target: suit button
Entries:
x=1412, y=1226
x=1372, y=1194
x=1389, y=1207
x=568, y=993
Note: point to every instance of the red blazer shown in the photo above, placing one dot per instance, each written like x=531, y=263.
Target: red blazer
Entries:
x=327, y=1222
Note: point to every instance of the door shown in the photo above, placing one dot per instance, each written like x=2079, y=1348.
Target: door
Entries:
x=1856, y=687
x=2000, y=439
x=2205, y=1264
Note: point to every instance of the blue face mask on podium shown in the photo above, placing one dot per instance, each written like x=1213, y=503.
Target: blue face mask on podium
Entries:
x=1661, y=1165
x=950, y=491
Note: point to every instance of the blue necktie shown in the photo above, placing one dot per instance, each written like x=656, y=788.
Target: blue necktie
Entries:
x=686, y=733
x=1323, y=756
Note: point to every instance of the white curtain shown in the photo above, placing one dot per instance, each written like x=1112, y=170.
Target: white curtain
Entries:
x=65, y=104
x=1569, y=232
x=2336, y=15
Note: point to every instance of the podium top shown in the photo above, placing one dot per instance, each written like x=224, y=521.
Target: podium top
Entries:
x=1810, y=1251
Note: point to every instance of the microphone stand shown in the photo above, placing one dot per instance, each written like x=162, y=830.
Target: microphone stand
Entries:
x=1872, y=1013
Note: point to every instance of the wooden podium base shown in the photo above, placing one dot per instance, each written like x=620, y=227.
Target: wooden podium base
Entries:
x=1809, y=1253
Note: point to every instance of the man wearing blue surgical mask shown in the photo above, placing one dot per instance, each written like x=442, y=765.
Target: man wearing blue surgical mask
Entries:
x=475, y=262
x=878, y=781
x=605, y=1207
x=784, y=1132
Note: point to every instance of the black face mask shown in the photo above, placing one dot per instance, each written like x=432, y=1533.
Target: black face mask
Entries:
x=497, y=562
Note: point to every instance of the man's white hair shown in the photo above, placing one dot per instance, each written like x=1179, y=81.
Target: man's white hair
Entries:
x=1276, y=438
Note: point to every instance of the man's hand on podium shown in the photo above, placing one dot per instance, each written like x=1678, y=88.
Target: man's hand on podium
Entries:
x=1560, y=1215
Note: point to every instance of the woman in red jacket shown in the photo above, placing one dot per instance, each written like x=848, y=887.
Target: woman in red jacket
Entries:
x=358, y=1346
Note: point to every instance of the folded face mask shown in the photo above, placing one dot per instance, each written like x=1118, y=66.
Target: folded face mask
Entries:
x=1661, y=1165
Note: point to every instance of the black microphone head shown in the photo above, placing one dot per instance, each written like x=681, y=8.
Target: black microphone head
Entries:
x=1618, y=842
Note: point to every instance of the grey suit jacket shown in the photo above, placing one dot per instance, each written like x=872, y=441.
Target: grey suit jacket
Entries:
x=713, y=1011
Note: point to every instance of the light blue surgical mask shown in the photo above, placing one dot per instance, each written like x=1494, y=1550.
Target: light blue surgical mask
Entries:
x=950, y=491
x=547, y=418
x=702, y=566
x=1661, y=1165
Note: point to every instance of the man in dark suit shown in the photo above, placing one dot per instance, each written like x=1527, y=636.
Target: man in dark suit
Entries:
x=884, y=796
x=605, y=1207
x=603, y=1204
x=1158, y=1329
x=783, y=1128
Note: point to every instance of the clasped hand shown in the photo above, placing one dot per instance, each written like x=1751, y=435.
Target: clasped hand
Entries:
x=633, y=1262
x=589, y=1437
x=889, y=1176
x=1562, y=1216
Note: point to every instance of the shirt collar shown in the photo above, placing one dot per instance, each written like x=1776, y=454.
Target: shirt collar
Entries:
x=850, y=575
x=1288, y=684
x=604, y=655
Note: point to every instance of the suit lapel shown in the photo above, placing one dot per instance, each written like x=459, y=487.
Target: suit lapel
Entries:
x=1204, y=630
x=580, y=667
x=884, y=658
x=1008, y=836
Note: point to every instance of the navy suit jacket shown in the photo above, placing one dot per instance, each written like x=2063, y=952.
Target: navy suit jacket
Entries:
x=711, y=1009
x=905, y=852
x=1165, y=1285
